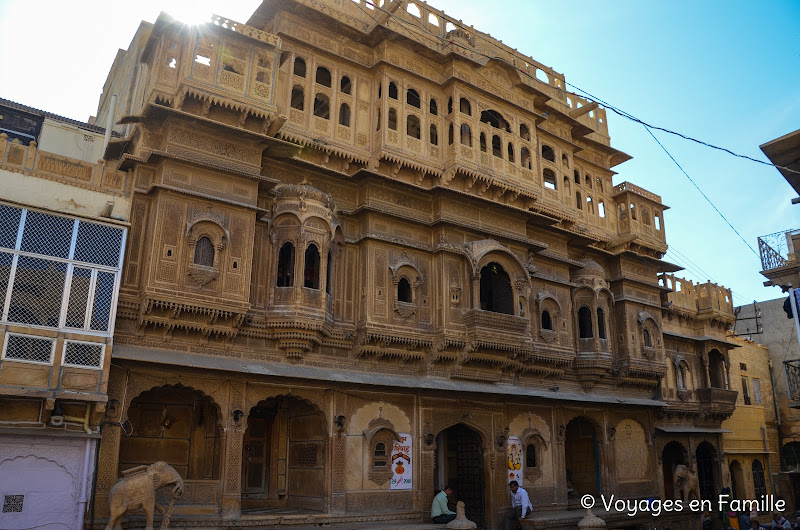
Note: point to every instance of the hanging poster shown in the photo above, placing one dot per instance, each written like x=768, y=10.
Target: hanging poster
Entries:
x=401, y=463
x=514, y=459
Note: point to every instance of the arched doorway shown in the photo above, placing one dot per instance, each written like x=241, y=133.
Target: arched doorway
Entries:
x=581, y=452
x=459, y=463
x=283, y=461
x=759, y=484
x=177, y=425
x=716, y=369
x=706, y=456
x=738, y=487
x=674, y=453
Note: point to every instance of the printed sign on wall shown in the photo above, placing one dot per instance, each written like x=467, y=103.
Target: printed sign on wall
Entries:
x=514, y=459
x=401, y=463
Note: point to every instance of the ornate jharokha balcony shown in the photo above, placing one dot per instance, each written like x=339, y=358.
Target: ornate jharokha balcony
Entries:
x=716, y=402
x=488, y=329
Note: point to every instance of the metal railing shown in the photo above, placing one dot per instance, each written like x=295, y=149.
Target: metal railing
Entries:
x=776, y=249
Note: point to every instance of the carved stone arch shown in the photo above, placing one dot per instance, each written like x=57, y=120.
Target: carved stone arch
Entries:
x=139, y=384
x=544, y=296
x=360, y=420
x=495, y=68
x=480, y=427
x=546, y=301
x=406, y=267
x=480, y=253
x=73, y=474
x=317, y=401
x=592, y=417
x=304, y=201
x=606, y=291
x=209, y=225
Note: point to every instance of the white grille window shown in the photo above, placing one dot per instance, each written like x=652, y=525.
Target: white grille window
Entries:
x=83, y=354
x=58, y=272
x=13, y=503
x=9, y=225
x=28, y=349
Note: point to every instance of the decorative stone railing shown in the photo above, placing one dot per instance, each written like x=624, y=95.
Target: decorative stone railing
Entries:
x=627, y=186
x=716, y=402
x=30, y=160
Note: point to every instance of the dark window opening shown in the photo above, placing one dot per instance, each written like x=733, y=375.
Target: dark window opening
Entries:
x=413, y=127
x=510, y=152
x=547, y=322
x=497, y=149
x=433, y=107
x=312, y=263
x=298, y=98
x=450, y=105
x=466, y=135
x=525, y=158
x=323, y=76
x=585, y=323
x=345, y=85
x=577, y=176
x=530, y=456
x=434, y=135
x=495, y=119
x=450, y=135
x=322, y=106
x=412, y=98
x=392, y=90
x=204, y=252
x=299, y=67
x=524, y=132
x=548, y=153
x=578, y=200
x=392, y=119
x=286, y=265
x=329, y=274
x=601, y=323
x=380, y=459
x=344, y=115
x=483, y=142
x=549, y=179
x=648, y=340
x=403, y=291
x=496, y=293
x=464, y=107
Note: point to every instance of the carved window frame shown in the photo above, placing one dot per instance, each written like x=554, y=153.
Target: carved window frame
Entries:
x=219, y=238
x=548, y=303
x=381, y=431
x=405, y=270
x=533, y=437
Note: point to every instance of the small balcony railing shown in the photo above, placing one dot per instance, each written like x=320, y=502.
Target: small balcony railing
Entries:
x=777, y=249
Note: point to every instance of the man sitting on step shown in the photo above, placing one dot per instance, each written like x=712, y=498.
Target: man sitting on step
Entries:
x=440, y=513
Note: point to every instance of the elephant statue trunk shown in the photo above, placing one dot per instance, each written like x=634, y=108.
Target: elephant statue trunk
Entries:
x=177, y=491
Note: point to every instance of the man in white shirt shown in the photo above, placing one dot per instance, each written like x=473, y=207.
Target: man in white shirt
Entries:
x=520, y=506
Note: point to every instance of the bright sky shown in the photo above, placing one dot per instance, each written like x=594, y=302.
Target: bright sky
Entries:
x=723, y=71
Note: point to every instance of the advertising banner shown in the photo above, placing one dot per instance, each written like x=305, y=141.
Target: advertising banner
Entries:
x=401, y=463
x=514, y=459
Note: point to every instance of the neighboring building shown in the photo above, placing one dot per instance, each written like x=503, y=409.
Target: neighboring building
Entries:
x=63, y=223
x=778, y=334
x=367, y=260
x=751, y=447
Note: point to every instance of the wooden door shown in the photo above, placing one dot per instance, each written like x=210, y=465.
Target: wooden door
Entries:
x=255, y=463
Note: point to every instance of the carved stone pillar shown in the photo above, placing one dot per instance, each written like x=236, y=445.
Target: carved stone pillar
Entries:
x=339, y=458
x=560, y=462
x=108, y=463
x=233, y=440
x=476, y=291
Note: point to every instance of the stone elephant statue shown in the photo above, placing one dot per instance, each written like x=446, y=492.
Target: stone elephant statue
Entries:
x=686, y=483
x=137, y=489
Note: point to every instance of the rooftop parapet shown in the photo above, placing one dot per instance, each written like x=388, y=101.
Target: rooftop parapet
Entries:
x=701, y=299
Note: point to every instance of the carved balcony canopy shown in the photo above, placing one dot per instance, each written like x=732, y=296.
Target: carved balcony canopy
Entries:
x=716, y=403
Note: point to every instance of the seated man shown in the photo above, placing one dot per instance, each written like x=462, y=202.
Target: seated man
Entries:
x=440, y=513
x=520, y=506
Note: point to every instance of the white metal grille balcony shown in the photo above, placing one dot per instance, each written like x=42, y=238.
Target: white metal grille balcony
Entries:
x=28, y=349
x=58, y=272
x=83, y=354
x=777, y=249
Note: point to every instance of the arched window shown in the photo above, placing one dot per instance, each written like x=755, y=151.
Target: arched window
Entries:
x=549, y=179
x=329, y=274
x=392, y=90
x=576, y=174
x=392, y=119
x=525, y=158
x=585, y=323
x=323, y=76
x=298, y=98
x=496, y=293
x=680, y=375
x=403, y=291
x=564, y=160
x=433, y=107
x=286, y=265
x=322, y=107
x=465, y=107
x=378, y=126
x=450, y=105
x=344, y=114
x=497, y=149
x=413, y=127
x=759, y=484
x=633, y=211
x=299, y=67
x=599, y=183
x=345, y=85
x=204, y=252
x=380, y=457
x=578, y=200
x=510, y=152
x=434, y=135
x=648, y=340
x=548, y=153
x=311, y=271
x=587, y=181
x=601, y=323
x=450, y=135
x=466, y=135
x=646, y=216
x=412, y=98
x=601, y=209
x=524, y=132
x=483, y=142
x=530, y=455
x=657, y=219
x=589, y=205
x=547, y=322
x=495, y=119
x=380, y=90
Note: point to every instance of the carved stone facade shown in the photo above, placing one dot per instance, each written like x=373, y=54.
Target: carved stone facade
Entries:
x=337, y=242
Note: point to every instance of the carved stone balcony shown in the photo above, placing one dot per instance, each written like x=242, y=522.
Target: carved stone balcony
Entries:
x=496, y=331
x=717, y=402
